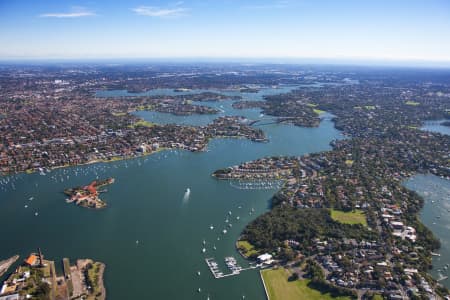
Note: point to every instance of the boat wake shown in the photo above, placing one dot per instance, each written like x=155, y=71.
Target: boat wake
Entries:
x=186, y=196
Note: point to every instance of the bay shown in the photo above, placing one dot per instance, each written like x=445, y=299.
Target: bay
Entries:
x=150, y=236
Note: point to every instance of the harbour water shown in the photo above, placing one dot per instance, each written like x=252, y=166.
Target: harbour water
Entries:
x=436, y=126
x=151, y=234
x=436, y=216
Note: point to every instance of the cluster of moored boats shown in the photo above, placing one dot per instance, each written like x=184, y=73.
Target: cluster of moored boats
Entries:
x=214, y=267
x=232, y=265
x=441, y=276
x=257, y=185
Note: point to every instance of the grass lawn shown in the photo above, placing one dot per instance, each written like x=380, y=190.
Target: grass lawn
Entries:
x=142, y=123
x=279, y=288
x=318, y=111
x=46, y=269
x=246, y=248
x=349, y=162
x=119, y=114
x=352, y=217
x=93, y=274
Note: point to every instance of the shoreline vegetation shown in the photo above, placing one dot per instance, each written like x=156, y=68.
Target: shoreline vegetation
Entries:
x=246, y=250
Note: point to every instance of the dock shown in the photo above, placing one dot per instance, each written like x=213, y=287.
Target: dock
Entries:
x=231, y=264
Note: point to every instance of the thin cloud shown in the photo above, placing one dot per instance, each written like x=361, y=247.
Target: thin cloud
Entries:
x=76, y=12
x=273, y=5
x=153, y=11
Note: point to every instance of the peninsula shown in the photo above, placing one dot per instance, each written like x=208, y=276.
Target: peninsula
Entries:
x=36, y=278
x=87, y=196
x=343, y=219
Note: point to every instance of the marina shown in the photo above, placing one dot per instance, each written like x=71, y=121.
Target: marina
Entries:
x=231, y=264
x=257, y=185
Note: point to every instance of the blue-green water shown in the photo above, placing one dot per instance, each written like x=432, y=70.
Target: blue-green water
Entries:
x=436, y=216
x=436, y=126
x=146, y=204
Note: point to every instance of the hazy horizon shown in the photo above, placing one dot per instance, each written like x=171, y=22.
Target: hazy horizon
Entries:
x=384, y=31
x=235, y=60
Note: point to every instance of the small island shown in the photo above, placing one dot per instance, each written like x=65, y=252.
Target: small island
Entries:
x=87, y=196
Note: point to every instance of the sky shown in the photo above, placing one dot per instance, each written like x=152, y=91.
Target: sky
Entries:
x=399, y=30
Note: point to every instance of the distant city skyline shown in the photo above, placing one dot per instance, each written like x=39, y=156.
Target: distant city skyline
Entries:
x=349, y=30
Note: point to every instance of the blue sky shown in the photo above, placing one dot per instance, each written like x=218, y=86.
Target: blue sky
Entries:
x=342, y=29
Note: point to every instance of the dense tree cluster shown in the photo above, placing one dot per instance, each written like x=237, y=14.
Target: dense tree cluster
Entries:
x=282, y=223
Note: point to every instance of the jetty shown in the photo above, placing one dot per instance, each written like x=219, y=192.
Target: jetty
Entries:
x=7, y=263
x=231, y=264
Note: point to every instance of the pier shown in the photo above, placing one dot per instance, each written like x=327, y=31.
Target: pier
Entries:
x=231, y=264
